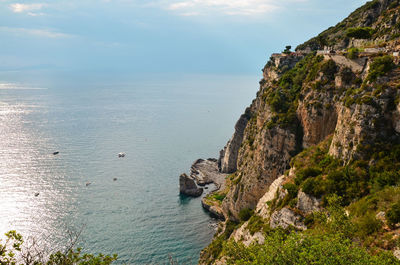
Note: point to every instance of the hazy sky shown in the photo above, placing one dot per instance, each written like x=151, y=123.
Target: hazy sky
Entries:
x=158, y=36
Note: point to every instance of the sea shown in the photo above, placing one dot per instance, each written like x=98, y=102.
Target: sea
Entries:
x=131, y=205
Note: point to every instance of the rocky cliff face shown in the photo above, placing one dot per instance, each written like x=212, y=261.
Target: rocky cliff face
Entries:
x=227, y=161
x=320, y=125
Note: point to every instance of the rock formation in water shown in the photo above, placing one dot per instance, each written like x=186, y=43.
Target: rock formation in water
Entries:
x=188, y=187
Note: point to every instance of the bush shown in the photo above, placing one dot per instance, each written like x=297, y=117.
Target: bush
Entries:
x=379, y=67
x=393, y=215
x=360, y=33
x=368, y=224
x=14, y=247
x=292, y=190
x=312, y=187
x=220, y=197
x=299, y=248
x=352, y=53
x=329, y=68
x=257, y=224
x=245, y=214
x=305, y=173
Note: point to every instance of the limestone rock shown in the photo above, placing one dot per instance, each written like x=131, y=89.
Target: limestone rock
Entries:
x=396, y=118
x=260, y=166
x=214, y=210
x=229, y=155
x=206, y=172
x=361, y=124
x=307, y=204
x=262, y=206
x=242, y=234
x=317, y=116
x=187, y=186
x=396, y=253
x=285, y=218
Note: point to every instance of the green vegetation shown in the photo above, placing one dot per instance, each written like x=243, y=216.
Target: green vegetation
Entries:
x=321, y=175
x=360, y=33
x=349, y=27
x=331, y=241
x=379, y=67
x=287, y=49
x=352, y=53
x=365, y=216
x=215, y=248
x=220, y=197
x=283, y=98
x=13, y=252
x=257, y=224
x=329, y=68
x=245, y=214
x=393, y=215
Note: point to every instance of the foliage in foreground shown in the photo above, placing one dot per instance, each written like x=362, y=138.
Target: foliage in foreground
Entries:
x=297, y=248
x=330, y=242
x=12, y=252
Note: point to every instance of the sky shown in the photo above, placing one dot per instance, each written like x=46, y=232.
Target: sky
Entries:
x=158, y=36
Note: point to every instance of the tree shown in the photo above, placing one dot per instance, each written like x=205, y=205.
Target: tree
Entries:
x=287, y=49
x=14, y=251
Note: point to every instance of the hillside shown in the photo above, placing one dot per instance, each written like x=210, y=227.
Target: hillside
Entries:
x=314, y=163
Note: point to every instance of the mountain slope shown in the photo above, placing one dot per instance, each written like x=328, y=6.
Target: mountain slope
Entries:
x=321, y=139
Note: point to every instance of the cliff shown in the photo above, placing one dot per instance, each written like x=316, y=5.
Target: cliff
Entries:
x=321, y=139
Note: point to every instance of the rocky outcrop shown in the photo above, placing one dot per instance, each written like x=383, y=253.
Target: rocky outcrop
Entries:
x=263, y=208
x=362, y=124
x=188, y=187
x=396, y=253
x=317, y=116
x=260, y=166
x=214, y=209
x=329, y=95
x=285, y=218
x=229, y=155
x=307, y=204
x=396, y=118
x=207, y=172
x=243, y=235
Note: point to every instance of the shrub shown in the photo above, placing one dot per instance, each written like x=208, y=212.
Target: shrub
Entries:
x=220, y=197
x=245, y=214
x=305, y=173
x=292, y=190
x=347, y=75
x=368, y=224
x=329, y=68
x=14, y=247
x=393, y=215
x=379, y=67
x=352, y=53
x=257, y=224
x=299, y=248
x=360, y=33
x=312, y=187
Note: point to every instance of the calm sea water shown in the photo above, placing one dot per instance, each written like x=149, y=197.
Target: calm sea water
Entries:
x=162, y=125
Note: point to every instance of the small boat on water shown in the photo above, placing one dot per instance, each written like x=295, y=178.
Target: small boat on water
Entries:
x=121, y=154
x=115, y=179
x=56, y=153
x=37, y=194
x=88, y=183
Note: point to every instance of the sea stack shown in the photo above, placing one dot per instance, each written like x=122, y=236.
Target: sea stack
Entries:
x=188, y=187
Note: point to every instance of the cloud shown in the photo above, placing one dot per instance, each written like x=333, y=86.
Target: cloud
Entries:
x=46, y=33
x=226, y=7
x=27, y=8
